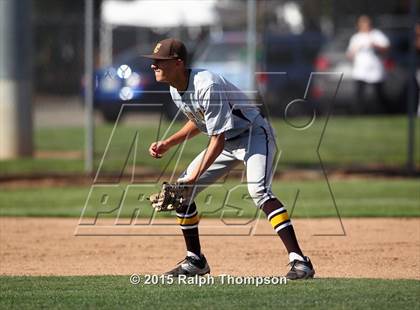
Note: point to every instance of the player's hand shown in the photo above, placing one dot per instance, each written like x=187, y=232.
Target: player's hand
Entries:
x=157, y=149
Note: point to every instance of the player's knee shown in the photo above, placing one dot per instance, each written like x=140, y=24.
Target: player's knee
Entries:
x=256, y=191
x=259, y=193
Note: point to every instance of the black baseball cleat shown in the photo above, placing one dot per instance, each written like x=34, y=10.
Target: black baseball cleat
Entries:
x=301, y=270
x=190, y=267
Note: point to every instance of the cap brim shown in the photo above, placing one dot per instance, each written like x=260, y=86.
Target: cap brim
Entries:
x=157, y=57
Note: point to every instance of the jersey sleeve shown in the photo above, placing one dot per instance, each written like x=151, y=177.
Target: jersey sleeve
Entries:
x=217, y=112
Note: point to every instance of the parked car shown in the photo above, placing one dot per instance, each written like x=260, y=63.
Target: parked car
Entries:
x=332, y=58
x=130, y=80
x=226, y=55
x=284, y=64
x=291, y=58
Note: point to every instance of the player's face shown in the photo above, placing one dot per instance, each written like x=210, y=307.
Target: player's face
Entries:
x=164, y=69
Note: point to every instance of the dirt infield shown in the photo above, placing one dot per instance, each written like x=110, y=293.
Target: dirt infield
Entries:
x=371, y=248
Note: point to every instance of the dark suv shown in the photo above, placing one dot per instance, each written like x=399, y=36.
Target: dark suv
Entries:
x=288, y=61
x=129, y=80
x=284, y=64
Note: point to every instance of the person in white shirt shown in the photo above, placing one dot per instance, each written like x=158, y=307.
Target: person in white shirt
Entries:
x=238, y=134
x=365, y=49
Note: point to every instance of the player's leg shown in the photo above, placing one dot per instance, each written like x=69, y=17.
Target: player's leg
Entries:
x=195, y=262
x=187, y=216
x=259, y=164
x=188, y=219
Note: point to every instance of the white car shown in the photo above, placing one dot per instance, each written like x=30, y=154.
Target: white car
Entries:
x=227, y=55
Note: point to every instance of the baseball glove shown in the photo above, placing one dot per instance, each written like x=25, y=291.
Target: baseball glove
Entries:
x=170, y=197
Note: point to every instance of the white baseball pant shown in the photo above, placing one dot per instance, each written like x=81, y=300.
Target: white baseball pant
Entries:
x=256, y=148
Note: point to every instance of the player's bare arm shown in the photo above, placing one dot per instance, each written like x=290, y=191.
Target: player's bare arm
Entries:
x=216, y=145
x=188, y=131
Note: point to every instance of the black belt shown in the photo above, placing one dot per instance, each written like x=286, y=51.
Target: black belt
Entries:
x=237, y=136
x=246, y=131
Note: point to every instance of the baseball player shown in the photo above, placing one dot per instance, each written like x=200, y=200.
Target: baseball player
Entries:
x=238, y=133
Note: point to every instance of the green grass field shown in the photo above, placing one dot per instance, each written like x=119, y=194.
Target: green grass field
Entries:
x=359, y=141
x=116, y=292
x=354, y=198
